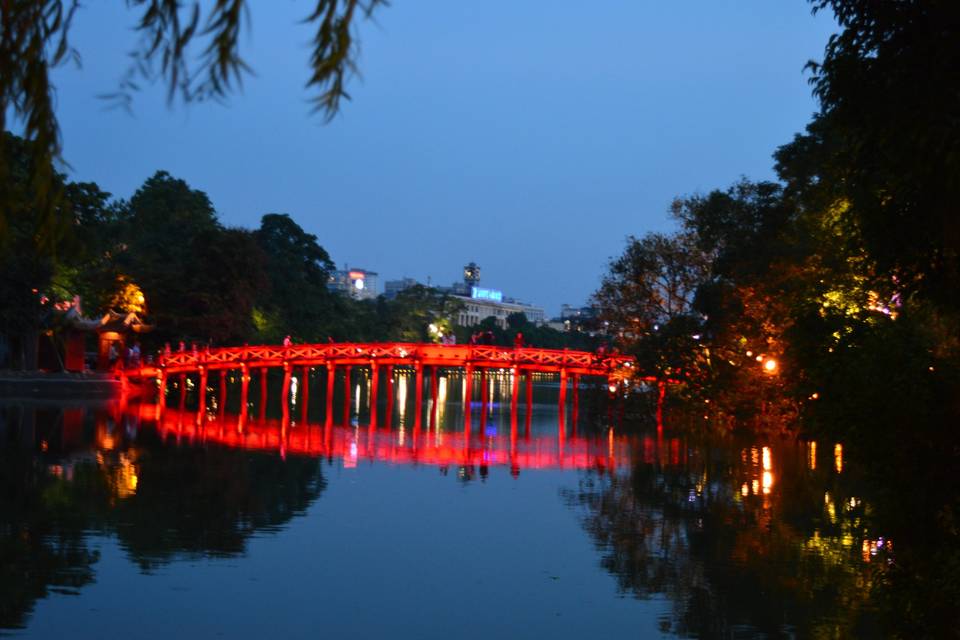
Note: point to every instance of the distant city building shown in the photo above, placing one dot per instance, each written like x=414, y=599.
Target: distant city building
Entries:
x=392, y=287
x=356, y=283
x=576, y=319
x=476, y=310
x=480, y=303
x=568, y=312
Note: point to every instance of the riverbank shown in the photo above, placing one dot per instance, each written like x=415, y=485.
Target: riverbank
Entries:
x=60, y=385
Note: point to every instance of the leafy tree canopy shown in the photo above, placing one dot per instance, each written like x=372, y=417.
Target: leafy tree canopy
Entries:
x=192, y=47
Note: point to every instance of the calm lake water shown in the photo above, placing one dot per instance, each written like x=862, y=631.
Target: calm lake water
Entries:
x=124, y=519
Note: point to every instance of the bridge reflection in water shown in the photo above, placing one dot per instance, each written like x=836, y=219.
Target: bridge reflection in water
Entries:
x=431, y=447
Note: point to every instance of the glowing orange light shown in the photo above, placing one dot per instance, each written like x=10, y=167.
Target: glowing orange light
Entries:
x=770, y=366
x=767, y=481
x=838, y=457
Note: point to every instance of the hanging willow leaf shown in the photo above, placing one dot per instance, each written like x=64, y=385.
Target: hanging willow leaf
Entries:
x=191, y=47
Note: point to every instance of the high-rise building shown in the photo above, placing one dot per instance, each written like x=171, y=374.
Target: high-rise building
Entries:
x=357, y=283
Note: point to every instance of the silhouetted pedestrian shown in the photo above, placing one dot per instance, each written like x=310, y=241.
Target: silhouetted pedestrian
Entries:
x=135, y=355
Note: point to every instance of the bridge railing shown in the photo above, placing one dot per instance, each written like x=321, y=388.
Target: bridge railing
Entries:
x=455, y=355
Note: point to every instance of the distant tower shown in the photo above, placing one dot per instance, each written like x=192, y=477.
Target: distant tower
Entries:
x=471, y=275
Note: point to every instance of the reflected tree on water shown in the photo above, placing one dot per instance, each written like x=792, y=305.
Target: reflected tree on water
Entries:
x=163, y=502
x=762, y=564
x=41, y=548
x=208, y=501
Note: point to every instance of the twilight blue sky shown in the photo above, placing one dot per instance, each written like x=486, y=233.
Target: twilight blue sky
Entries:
x=531, y=137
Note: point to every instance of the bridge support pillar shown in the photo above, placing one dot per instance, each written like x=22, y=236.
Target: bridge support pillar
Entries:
x=388, y=418
x=222, y=397
x=162, y=390
x=285, y=392
x=328, y=400
x=183, y=391
x=661, y=395
x=244, y=394
x=304, y=394
x=563, y=400
x=374, y=383
x=434, y=395
x=418, y=417
x=467, y=399
x=263, y=392
x=202, y=396
x=528, y=417
x=484, y=400
x=514, y=395
x=346, y=395
x=576, y=402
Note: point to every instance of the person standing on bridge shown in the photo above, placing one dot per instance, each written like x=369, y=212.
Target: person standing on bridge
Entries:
x=518, y=340
x=135, y=355
x=287, y=341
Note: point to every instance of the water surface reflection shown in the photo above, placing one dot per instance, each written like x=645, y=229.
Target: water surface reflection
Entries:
x=743, y=538
x=70, y=474
x=708, y=537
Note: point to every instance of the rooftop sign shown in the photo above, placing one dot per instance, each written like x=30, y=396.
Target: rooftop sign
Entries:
x=486, y=294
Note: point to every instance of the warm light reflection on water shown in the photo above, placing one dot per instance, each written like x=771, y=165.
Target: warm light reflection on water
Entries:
x=752, y=529
x=350, y=443
x=401, y=384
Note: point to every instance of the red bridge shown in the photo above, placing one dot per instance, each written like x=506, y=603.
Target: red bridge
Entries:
x=424, y=359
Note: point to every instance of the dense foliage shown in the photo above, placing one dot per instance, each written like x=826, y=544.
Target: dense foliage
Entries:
x=829, y=301
x=165, y=255
x=191, y=47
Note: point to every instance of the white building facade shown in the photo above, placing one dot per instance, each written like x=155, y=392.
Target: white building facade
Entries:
x=475, y=310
